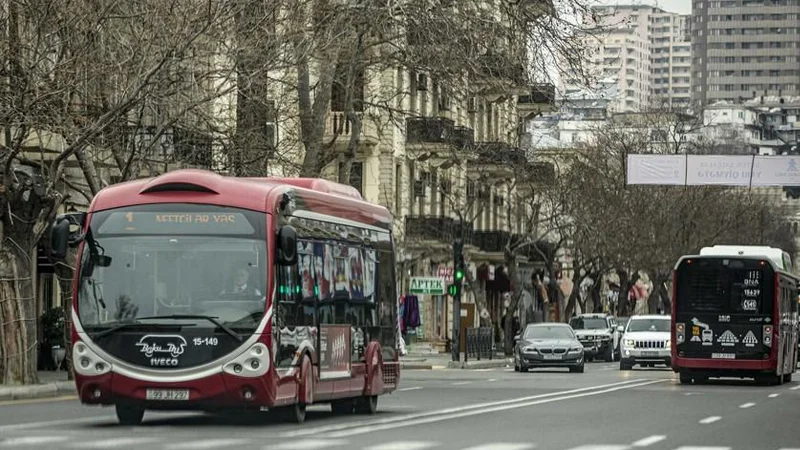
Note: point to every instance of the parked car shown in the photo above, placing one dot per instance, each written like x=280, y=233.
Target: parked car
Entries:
x=548, y=345
x=645, y=341
x=598, y=334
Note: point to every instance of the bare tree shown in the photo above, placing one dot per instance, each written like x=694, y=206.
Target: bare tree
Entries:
x=80, y=80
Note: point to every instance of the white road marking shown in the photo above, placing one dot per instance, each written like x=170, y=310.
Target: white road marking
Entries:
x=747, y=405
x=115, y=442
x=208, y=443
x=483, y=370
x=30, y=440
x=491, y=380
x=442, y=417
x=794, y=389
x=55, y=423
x=403, y=445
x=692, y=447
x=462, y=383
x=650, y=440
x=711, y=419
x=601, y=447
x=306, y=444
x=415, y=388
x=502, y=446
x=337, y=427
x=773, y=395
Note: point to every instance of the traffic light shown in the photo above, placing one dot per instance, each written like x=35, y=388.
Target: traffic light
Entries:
x=452, y=290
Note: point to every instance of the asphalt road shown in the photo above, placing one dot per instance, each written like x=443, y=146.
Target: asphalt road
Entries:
x=497, y=409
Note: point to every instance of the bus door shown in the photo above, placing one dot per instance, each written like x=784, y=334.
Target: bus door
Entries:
x=726, y=306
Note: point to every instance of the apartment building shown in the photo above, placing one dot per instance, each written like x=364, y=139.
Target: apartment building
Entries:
x=743, y=49
x=646, y=50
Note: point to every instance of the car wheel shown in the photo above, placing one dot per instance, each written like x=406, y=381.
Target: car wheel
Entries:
x=576, y=369
x=608, y=354
x=624, y=365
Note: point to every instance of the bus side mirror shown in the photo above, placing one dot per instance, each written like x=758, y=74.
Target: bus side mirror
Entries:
x=59, y=239
x=286, y=251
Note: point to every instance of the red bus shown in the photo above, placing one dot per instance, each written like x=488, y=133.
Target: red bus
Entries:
x=734, y=314
x=196, y=291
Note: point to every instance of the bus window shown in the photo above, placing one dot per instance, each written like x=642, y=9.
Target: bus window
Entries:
x=724, y=286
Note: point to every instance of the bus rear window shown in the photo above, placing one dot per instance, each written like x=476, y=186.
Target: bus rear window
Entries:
x=725, y=286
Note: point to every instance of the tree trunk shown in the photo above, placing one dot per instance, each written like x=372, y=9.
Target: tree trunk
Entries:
x=18, y=346
x=64, y=273
x=478, y=289
x=574, y=295
x=594, y=292
x=508, y=320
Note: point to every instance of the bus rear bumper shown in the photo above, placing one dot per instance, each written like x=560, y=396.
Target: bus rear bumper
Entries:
x=721, y=367
x=212, y=392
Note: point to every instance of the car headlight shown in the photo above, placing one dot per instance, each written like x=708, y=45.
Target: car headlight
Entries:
x=666, y=343
x=606, y=337
x=530, y=349
x=575, y=349
x=628, y=342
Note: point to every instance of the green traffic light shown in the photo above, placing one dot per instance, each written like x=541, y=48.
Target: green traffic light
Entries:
x=452, y=290
x=459, y=274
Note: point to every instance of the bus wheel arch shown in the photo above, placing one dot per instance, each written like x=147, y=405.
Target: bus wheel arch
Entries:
x=305, y=380
x=374, y=360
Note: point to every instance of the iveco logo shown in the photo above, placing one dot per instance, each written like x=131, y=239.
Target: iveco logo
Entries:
x=172, y=345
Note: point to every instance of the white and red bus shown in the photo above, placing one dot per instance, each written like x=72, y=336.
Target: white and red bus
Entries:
x=734, y=314
x=196, y=291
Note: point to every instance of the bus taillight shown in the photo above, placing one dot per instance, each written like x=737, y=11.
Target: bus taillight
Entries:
x=767, y=336
x=680, y=333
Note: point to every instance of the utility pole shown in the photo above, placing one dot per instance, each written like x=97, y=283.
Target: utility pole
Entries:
x=455, y=291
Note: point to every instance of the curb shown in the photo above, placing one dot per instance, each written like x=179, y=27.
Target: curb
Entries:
x=37, y=390
x=489, y=364
x=415, y=366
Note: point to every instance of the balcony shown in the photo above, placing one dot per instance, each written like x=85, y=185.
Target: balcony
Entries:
x=492, y=240
x=463, y=138
x=431, y=228
x=431, y=130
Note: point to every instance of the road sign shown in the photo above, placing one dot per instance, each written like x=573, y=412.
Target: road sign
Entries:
x=427, y=285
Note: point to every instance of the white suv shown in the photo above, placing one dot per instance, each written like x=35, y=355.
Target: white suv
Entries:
x=645, y=341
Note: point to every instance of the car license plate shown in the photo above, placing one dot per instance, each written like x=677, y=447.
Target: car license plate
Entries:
x=649, y=354
x=552, y=356
x=168, y=394
x=723, y=355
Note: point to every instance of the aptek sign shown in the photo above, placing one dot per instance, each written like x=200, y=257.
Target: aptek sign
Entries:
x=427, y=285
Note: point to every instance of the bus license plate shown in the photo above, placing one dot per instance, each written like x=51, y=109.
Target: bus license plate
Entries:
x=552, y=356
x=168, y=394
x=723, y=355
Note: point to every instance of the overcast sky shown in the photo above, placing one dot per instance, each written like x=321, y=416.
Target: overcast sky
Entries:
x=676, y=6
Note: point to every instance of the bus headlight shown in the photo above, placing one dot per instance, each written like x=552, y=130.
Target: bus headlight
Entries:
x=253, y=362
x=88, y=363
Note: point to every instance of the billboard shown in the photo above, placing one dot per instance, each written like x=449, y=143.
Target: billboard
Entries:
x=713, y=170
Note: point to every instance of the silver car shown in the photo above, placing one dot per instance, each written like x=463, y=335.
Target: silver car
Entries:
x=548, y=345
x=646, y=342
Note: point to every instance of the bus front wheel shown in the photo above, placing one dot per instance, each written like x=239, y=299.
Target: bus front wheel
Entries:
x=367, y=404
x=129, y=415
x=685, y=378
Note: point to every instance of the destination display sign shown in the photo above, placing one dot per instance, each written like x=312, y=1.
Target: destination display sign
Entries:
x=751, y=291
x=216, y=223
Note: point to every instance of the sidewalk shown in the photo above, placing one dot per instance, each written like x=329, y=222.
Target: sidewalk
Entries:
x=439, y=361
x=51, y=384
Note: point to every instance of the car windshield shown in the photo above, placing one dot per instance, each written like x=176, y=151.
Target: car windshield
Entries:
x=658, y=325
x=588, y=323
x=548, y=332
x=154, y=266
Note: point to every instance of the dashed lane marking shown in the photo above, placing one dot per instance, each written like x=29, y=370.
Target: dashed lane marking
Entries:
x=30, y=440
x=462, y=383
x=773, y=395
x=708, y=420
x=650, y=440
x=415, y=388
x=403, y=445
x=207, y=444
x=502, y=446
x=306, y=444
x=747, y=405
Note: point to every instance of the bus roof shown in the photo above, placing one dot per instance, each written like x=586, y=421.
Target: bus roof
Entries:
x=257, y=194
x=777, y=256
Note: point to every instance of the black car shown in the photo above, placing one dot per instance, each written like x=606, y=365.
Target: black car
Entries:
x=548, y=345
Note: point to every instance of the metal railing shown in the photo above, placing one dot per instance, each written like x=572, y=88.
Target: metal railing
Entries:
x=479, y=343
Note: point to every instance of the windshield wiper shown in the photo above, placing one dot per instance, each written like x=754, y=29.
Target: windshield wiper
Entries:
x=123, y=326
x=212, y=319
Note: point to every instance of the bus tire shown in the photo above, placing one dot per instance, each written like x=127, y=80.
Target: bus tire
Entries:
x=367, y=404
x=129, y=415
x=685, y=378
x=787, y=378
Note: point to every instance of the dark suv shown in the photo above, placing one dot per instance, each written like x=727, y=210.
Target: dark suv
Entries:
x=598, y=335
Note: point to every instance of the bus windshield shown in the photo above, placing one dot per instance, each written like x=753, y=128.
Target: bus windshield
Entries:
x=200, y=264
x=719, y=285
